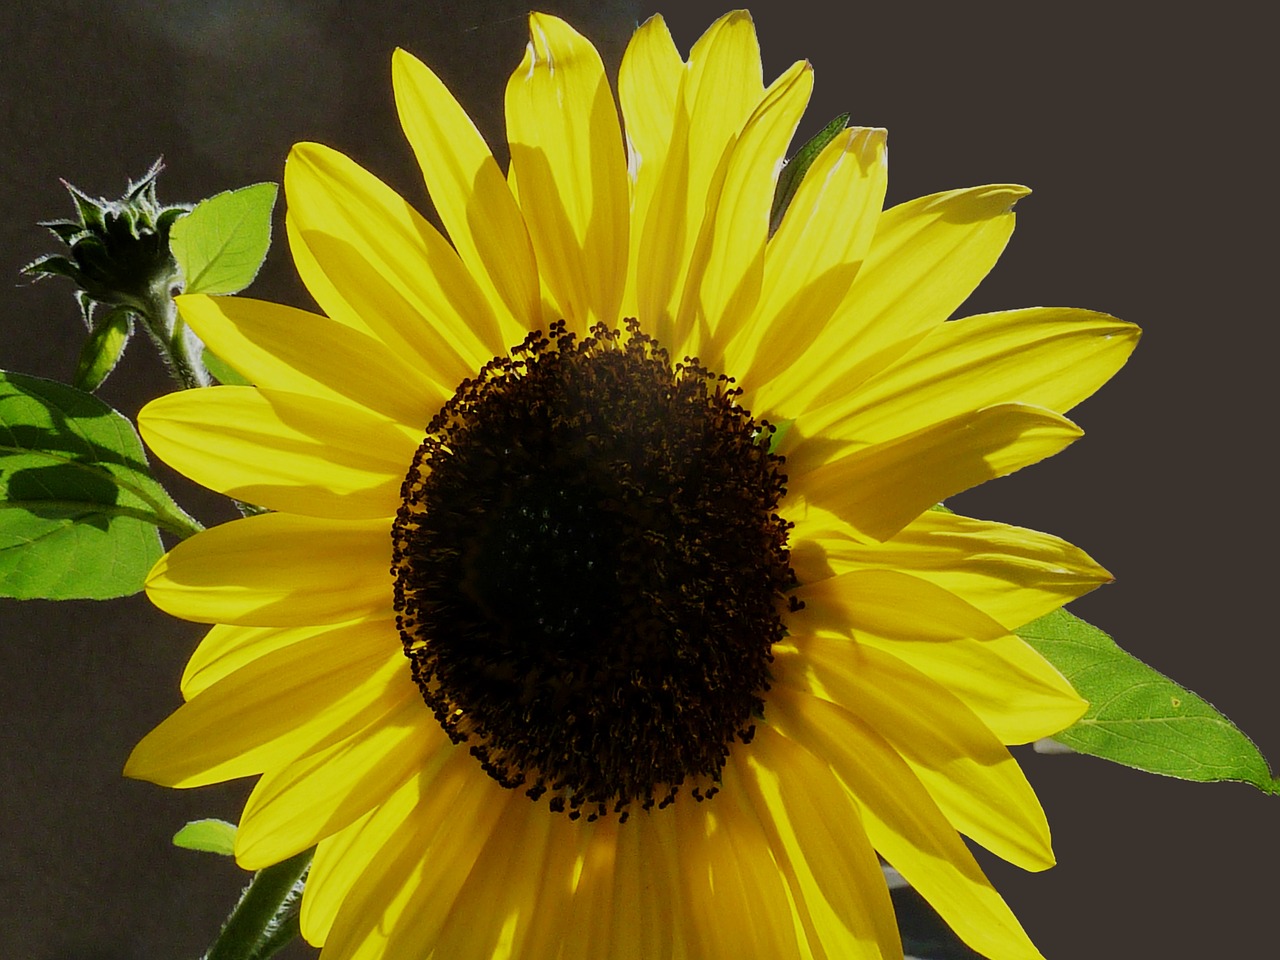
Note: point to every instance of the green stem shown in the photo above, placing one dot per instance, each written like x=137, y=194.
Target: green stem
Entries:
x=160, y=314
x=266, y=918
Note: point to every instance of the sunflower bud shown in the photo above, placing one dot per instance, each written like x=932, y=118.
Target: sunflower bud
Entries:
x=119, y=258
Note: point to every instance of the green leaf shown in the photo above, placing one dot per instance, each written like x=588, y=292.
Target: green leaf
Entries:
x=222, y=371
x=207, y=836
x=101, y=352
x=222, y=242
x=78, y=506
x=1139, y=717
x=791, y=175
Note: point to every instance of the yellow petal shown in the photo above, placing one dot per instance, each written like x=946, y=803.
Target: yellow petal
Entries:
x=277, y=570
x=891, y=604
x=295, y=806
x=284, y=451
x=1050, y=357
x=820, y=829
x=367, y=253
x=648, y=905
x=225, y=649
x=735, y=877
x=398, y=906
x=281, y=348
x=584, y=928
x=813, y=258
x=1018, y=694
x=309, y=693
x=567, y=156
x=880, y=489
x=724, y=284
x=972, y=777
x=505, y=888
x=721, y=86
x=470, y=194
x=926, y=257
x=341, y=859
x=905, y=825
x=648, y=88
x=648, y=855
x=1011, y=574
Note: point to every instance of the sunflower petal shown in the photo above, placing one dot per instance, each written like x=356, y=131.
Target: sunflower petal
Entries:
x=905, y=825
x=399, y=904
x=647, y=902
x=881, y=488
x=295, y=806
x=277, y=570
x=969, y=773
x=1011, y=574
x=281, y=348
x=586, y=928
x=1050, y=357
x=821, y=828
x=926, y=257
x=567, y=157
x=812, y=260
x=721, y=86
x=364, y=252
x=890, y=604
x=723, y=293
x=727, y=841
x=377, y=897
x=1018, y=694
x=506, y=888
x=284, y=451
x=225, y=649
x=470, y=194
x=648, y=90
x=341, y=859
x=298, y=697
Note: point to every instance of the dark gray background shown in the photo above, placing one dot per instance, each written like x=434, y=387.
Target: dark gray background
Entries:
x=1150, y=142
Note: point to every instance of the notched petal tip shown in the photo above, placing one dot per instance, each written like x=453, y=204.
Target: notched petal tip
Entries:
x=549, y=35
x=870, y=142
x=982, y=203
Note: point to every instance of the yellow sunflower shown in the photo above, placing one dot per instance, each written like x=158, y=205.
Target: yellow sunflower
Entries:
x=603, y=611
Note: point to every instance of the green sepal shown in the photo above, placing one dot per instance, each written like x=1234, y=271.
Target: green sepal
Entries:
x=221, y=244
x=68, y=231
x=79, y=509
x=92, y=212
x=102, y=351
x=208, y=836
x=52, y=265
x=1139, y=717
x=791, y=175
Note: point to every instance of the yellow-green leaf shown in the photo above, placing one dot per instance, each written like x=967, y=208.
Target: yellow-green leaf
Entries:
x=1139, y=717
x=221, y=243
x=208, y=836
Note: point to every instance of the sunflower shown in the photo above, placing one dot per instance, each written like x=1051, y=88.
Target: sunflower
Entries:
x=604, y=610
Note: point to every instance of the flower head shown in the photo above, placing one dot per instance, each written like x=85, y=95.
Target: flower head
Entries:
x=604, y=611
x=119, y=249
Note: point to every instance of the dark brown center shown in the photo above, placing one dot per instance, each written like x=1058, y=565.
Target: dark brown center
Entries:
x=590, y=570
